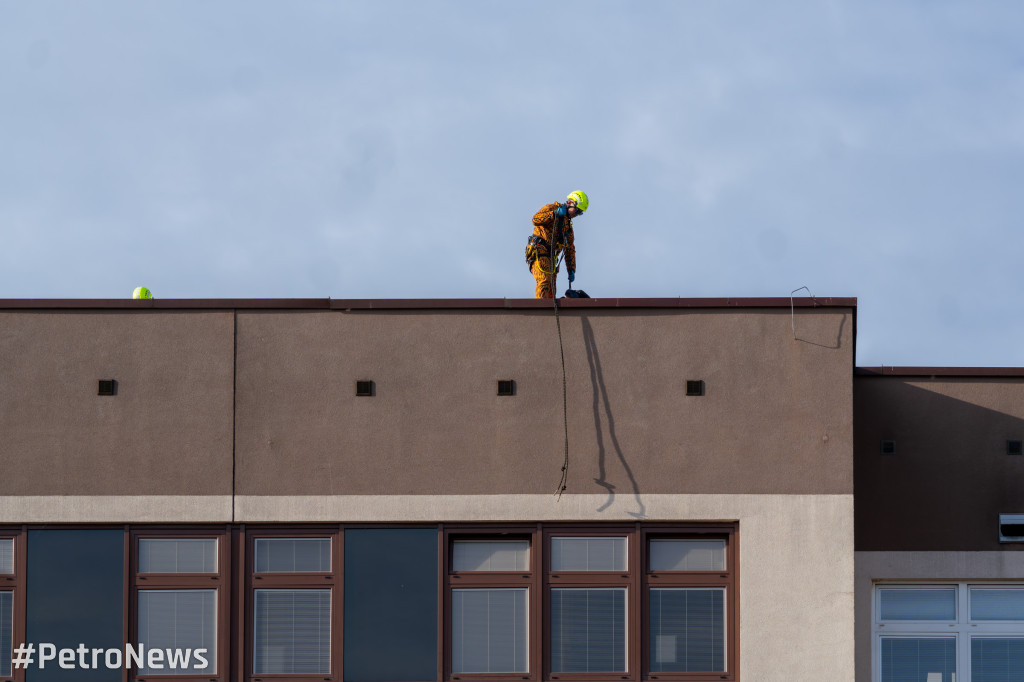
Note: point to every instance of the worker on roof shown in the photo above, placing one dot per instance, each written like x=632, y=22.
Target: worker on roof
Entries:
x=552, y=224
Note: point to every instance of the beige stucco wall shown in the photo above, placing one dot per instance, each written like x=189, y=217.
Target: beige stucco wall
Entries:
x=873, y=567
x=795, y=566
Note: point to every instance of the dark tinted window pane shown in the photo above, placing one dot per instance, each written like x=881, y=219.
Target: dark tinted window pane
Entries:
x=6, y=631
x=390, y=604
x=75, y=595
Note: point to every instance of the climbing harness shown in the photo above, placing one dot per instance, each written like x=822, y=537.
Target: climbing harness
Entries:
x=538, y=247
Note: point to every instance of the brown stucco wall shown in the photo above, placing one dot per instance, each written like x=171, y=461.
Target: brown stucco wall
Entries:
x=167, y=431
x=276, y=404
x=776, y=417
x=950, y=477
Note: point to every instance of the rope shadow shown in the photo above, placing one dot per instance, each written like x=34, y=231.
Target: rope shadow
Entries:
x=601, y=399
x=835, y=346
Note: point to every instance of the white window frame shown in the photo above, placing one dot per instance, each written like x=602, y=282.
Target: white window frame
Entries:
x=963, y=629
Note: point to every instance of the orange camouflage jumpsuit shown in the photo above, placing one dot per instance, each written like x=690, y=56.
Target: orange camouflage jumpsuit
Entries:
x=538, y=249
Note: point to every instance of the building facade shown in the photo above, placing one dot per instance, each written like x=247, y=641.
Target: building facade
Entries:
x=367, y=490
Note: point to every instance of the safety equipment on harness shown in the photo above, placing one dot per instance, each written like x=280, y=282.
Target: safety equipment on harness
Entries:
x=582, y=202
x=561, y=211
x=535, y=248
x=572, y=276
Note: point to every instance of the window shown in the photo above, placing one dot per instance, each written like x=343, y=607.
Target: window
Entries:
x=588, y=598
x=292, y=604
x=960, y=632
x=489, y=633
x=392, y=604
x=470, y=603
x=180, y=594
x=643, y=601
x=11, y=598
x=490, y=589
x=688, y=605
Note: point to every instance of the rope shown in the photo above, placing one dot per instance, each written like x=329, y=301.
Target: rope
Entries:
x=557, y=258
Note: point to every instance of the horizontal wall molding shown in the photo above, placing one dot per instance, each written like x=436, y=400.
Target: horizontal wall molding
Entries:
x=402, y=508
x=21, y=509
x=430, y=508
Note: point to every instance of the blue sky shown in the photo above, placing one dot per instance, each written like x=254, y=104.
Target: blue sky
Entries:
x=398, y=149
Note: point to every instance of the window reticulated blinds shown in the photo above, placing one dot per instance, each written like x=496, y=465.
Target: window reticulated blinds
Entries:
x=491, y=555
x=6, y=556
x=588, y=554
x=489, y=631
x=687, y=555
x=292, y=632
x=922, y=604
x=174, y=555
x=588, y=629
x=918, y=659
x=997, y=604
x=687, y=629
x=178, y=620
x=997, y=659
x=293, y=555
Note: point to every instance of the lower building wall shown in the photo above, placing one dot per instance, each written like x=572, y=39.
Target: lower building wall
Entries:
x=873, y=568
x=796, y=567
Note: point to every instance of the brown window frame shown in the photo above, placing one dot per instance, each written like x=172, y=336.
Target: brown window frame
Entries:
x=332, y=580
x=726, y=579
x=594, y=579
x=15, y=583
x=221, y=581
x=530, y=579
x=637, y=579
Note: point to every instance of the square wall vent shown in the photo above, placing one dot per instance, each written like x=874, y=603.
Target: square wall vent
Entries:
x=888, y=447
x=1013, y=447
x=506, y=387
x=694, y=387
x=1011, y=528
x=107, y=387
x=365, y=389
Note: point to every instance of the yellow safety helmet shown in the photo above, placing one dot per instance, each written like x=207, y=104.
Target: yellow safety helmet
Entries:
x=580, y=198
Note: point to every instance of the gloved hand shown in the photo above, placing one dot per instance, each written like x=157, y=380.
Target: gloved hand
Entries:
x=561, y=211
x=572, y=276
